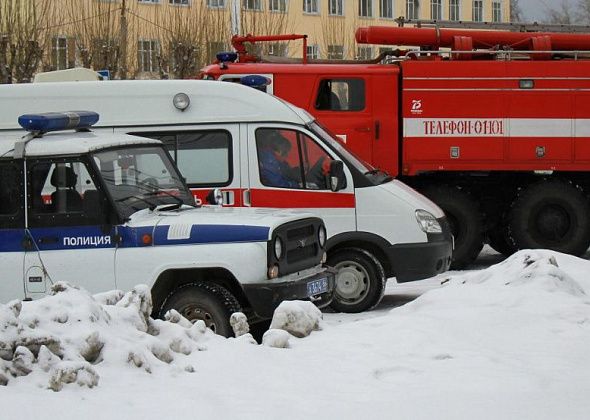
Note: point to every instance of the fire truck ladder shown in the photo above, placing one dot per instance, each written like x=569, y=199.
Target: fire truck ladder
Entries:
x=504, y=26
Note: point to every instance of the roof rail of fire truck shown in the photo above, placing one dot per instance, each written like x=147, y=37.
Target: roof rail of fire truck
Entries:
x=504, y=26
x=500, y=55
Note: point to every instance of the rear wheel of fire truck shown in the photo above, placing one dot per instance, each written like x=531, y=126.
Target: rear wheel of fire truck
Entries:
x=208, y=302
x=553, y=215
x=464, y=219
x=360, y=280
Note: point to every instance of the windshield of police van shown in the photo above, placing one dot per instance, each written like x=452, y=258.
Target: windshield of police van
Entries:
x=142, y=177
x=377, y=175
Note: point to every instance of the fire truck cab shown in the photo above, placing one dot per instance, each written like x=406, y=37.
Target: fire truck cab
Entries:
x=244, y=148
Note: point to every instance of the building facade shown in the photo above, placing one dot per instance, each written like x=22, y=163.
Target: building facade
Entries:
x=174, y=38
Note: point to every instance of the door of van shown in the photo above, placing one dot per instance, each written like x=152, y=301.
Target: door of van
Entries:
x=287, y=168
x=69, y=235
x=208, y=156
x=12, y=230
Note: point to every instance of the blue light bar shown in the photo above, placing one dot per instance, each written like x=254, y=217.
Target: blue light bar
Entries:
x=224, y=57
x=56, y=121
x=255, y=81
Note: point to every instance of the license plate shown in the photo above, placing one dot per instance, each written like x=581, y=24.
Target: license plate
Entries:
x=317, y=287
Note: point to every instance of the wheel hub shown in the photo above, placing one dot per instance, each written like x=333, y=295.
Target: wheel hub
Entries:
x=553, y=222
x=194, y=314
x=351, y=282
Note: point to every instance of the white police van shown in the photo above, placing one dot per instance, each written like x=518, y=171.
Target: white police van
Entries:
x=378, y=227
x=108, y=211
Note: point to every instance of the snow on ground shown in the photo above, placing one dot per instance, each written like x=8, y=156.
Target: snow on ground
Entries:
x=507, y=342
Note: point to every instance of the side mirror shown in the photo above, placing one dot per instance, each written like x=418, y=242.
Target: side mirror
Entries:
x=337, y=176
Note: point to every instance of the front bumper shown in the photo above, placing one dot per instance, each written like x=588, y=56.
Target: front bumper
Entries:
x=417, y=261
x=265, y=297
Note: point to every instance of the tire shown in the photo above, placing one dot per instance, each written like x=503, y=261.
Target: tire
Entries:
x=360, y=280
x=553, y=215
x=500, y=241
x=204, y=301
x=465, y=220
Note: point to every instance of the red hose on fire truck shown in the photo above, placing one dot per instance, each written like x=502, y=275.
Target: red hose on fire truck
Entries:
x=492, y=125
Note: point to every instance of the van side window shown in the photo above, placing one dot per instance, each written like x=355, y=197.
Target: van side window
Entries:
x=11, y=196
x=62, y=193
x=291, y=159
x=203, y=157
x=341, y=95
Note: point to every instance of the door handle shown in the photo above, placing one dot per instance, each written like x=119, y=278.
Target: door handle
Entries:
x=377, y=129
x=246, y=198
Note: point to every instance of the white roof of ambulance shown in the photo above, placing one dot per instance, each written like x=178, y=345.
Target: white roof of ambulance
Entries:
x=146, y=102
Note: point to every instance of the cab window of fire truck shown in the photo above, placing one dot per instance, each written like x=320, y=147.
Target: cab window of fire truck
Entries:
x=11, y=195
x=341, y=95
x=203, y=157
x=290, y=159
x=62, y=193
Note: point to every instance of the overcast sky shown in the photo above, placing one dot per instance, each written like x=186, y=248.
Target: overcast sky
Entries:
x=535, y=10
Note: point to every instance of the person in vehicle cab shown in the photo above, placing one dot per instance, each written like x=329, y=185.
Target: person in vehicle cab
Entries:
x=273, y=151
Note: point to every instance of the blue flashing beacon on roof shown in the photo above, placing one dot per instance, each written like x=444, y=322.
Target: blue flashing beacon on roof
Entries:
x=57, y=121
x=255, y=81
x=226, y=57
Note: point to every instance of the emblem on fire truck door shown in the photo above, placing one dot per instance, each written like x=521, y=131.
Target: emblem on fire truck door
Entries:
x=416, y=106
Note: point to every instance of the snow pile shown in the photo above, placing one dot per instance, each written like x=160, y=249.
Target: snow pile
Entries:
x=528, y=268
x=298, y=318
x=65, y=337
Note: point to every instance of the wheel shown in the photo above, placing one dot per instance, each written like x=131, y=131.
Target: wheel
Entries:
x=360, y=280
x=499, y=240
x=553, y=215
x=465, y=221
x=210, y=303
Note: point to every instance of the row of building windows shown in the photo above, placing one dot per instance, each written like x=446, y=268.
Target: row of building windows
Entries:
x=366, y=8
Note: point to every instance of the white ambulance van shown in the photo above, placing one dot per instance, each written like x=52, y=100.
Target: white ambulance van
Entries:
x=109, y=211
x=223, y=135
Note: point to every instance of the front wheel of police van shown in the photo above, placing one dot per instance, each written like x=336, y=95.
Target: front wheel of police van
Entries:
x=360, y=280
x=208, y=302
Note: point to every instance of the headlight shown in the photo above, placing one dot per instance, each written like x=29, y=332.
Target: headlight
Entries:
x=322, y=236
x=428, y=222
x=278, y=248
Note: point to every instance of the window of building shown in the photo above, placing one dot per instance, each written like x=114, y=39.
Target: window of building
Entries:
x=412, y=9
x=11, y=195
x=291, y=159
x=341, y=95
x=203, y=157
x=386, y=9
x=336, y=52
x=311, y=6
x=364, y=53
x=336, y=7
x=278, y=49
x=366, y=8
x=216, y=4
x=252, y=4
x=148, y=1
x=277, y=6
x=477, y=14
x=59, y=52
x=179, y=2
x=147, y=55
x=454, y=10
x=313, y=51
x=496, y=11
x=436, y=9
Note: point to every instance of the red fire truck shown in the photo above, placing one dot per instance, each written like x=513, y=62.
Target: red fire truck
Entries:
x=492, y=125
